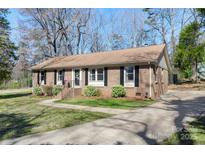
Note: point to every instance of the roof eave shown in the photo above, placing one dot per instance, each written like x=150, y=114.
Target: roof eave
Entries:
x=96, y=65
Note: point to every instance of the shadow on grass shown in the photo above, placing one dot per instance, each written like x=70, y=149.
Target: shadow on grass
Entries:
x=199, y=123
x=14, y=125
x=184, y=137
x=9, y=96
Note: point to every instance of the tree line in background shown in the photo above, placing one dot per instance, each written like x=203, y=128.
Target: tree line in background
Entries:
x=45, y=33
x=190, y=51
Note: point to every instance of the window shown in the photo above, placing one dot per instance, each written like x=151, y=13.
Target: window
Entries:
x=100, y=74
x=129, y=74
x=77, y=77
x=96, y=77
x=92, y=75
x=43, y=75
x=60, y=76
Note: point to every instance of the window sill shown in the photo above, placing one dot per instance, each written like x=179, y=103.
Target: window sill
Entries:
x=78, y=87
x=59, y=83
x=96, y=84
x=129, y=84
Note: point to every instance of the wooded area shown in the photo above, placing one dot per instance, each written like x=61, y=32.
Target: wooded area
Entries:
x=45, y=33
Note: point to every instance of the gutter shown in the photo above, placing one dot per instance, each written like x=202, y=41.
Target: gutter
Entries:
x=150, y=80
x=98, y=65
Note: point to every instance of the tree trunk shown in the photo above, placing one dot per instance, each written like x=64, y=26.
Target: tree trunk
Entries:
x=196, y=68
x=194, y=71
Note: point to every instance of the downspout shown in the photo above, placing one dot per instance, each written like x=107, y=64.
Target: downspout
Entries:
x=150, y=80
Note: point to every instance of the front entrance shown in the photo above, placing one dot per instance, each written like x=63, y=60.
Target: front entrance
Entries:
x=76, y=77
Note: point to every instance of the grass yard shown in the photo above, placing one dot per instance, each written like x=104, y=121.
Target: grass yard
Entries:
x=194, y=134
x=21, y=115
x=108, y=102
x=13, y=93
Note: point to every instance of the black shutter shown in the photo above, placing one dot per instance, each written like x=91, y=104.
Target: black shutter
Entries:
x=86, y=76
x=105, y=76
x=122, y=75
x=45, y=78
x=63, y=77
x=136, y=76
x=38, y=77
x=55, y=73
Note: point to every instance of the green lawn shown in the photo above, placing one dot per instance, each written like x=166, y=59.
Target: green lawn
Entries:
x=108, y=102
x=194, y=134
x=21, y=115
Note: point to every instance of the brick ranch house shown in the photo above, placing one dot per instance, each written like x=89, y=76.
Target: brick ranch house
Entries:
x=142, y=71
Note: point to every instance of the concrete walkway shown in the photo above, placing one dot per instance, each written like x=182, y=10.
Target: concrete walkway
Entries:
x=147, y=125
x=81, y=107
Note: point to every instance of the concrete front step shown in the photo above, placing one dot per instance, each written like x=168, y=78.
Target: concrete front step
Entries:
x=69, y=93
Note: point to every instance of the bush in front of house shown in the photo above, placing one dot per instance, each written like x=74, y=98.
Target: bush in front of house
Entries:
x=56, y=90
x=37, y=91
x=47, y=90
x=118, y=91
x=91, y=91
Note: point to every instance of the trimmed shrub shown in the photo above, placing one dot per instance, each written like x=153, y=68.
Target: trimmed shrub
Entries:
x=37, y=91
x=56, y=90
x=91, y=91
x=47, y=90
x=118, y=91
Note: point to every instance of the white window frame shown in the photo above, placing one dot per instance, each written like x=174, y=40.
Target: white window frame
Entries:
x=97, y=83
x=102, y=75
x=90, y=75
x=42, y=82
x=73, y=78
x=59, y=82
x=129, y=83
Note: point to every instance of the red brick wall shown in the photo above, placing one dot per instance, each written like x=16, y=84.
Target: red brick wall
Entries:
x=50, y=78
x=158, y=87
x=114, y=79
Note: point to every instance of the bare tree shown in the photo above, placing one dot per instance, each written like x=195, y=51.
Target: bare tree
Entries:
x=166, y=23
x=46, y=18
x=62, y=29
x=157, y=22
x=136, y=28
x=96, y=32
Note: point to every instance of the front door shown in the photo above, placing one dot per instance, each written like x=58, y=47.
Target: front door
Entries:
x=76, y=77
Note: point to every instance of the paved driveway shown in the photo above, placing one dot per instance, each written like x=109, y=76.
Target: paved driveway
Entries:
x=147, y=125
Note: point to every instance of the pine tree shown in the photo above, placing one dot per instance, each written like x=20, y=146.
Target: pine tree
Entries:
x=189, y=51
x=7, y=48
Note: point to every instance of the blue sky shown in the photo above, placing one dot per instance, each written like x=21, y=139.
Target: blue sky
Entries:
x=14, y=17
x=108, y=13
x=13, y=20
